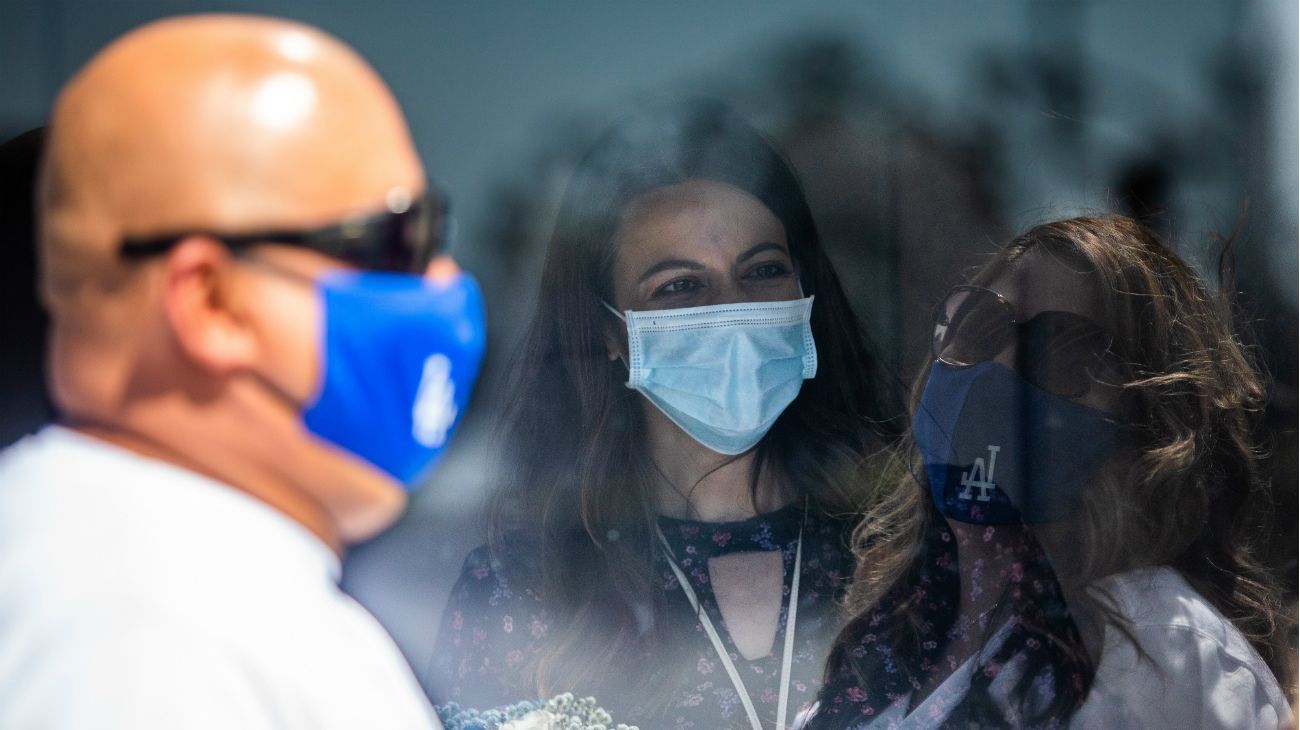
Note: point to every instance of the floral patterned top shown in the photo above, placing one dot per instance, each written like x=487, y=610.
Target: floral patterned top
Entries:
x=495, y=624
x=1030, y=668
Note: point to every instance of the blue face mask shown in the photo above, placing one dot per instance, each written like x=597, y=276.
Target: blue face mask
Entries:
x=722, y=373
x=999, y=450
x=400, y=356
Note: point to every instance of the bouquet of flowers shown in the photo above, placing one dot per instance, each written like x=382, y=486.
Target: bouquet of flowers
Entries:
x=562, y=712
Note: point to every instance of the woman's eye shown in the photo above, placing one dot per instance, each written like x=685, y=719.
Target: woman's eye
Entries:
x=770, y=270
x=677, y=286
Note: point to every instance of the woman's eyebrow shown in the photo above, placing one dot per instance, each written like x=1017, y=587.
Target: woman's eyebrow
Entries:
x=760, y=248
x=670, y=264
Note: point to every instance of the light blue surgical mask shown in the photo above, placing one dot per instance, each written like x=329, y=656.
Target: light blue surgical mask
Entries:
x=723, y=373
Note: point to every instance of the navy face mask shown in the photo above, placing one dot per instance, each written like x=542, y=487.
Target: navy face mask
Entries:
x=999, y=450
x=399, y=357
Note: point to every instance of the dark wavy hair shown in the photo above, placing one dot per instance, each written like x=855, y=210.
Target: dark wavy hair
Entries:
x=575, y=504
x=1192, y=495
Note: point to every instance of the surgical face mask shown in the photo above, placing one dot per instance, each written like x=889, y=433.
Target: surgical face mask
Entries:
x=999, y=450
x=399, y=359
x=723, y=373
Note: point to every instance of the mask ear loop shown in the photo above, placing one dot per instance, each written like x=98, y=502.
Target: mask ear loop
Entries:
x=620, y=315
x=798, y=279
x=613, y=311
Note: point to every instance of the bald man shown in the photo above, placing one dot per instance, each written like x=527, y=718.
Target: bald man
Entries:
x=255, y=349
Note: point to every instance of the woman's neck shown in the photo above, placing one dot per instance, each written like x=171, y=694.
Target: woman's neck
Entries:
x=987, y=557
x=693, y=482
x=987, y=566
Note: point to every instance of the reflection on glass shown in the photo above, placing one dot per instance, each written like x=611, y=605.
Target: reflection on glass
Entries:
x=684, y=264
x=1078, y=541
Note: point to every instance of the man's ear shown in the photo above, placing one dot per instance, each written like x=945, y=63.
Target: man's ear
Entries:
x=199, y=280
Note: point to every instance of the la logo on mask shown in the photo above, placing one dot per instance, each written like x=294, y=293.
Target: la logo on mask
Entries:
x=435, y=403
x=968, y=415
x=977, y=479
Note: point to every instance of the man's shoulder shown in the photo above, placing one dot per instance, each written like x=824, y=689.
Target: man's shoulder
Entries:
x=203, y=635
x=71, y=535
x=59, y=471
x=116, y=544
x=116, y=657
x=43, y=455
x=55, y=518
x=148, y=668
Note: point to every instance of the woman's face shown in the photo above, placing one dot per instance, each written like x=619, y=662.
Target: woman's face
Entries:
x=1041, y=281
x=697, y=243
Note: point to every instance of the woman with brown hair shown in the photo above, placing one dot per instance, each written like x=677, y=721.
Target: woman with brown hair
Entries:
x=1086, y=471
x=685, y=440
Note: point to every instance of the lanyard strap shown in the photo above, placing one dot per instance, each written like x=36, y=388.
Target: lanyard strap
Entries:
x=787, y=653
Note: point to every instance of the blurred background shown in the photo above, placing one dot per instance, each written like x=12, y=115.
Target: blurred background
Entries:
x=925, y=133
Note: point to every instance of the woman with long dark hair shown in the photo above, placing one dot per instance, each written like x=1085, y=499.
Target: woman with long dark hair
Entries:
x=1084, y=444
x=686, y=442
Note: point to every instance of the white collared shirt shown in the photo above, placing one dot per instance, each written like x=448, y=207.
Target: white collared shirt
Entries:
x=136, y=594
x=1199, y=670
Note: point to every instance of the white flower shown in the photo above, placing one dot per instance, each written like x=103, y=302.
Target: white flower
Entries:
x=535, y=720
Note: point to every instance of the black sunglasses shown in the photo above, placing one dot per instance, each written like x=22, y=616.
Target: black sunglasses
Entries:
x=1061, y=352
x=403, y=238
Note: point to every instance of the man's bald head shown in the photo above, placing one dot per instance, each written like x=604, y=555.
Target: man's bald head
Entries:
x=226, y=122
x=215, y=122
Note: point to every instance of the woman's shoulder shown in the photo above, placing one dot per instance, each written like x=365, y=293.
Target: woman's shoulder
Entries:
x=496, y=573
x=1176, y=661
x=1160, y=599
x=489, y=630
